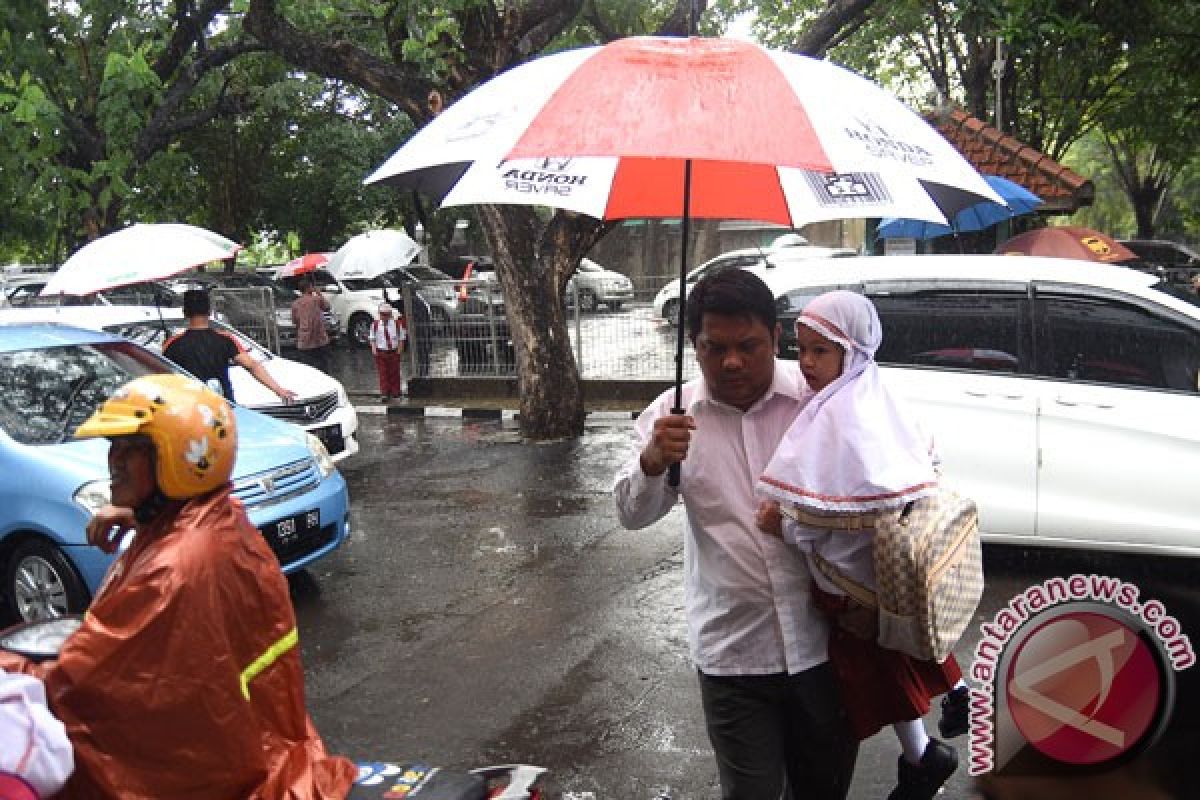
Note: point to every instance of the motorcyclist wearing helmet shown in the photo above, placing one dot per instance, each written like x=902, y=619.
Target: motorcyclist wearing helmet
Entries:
x=184, y=680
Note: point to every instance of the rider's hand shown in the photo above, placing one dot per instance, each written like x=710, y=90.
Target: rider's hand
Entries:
x=287, y=395
x=668, y=443
x=108, y=526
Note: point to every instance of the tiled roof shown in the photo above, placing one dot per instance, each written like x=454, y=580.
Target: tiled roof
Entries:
x=995, y=153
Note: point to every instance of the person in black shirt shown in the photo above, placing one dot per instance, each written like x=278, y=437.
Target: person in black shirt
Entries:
x=207, y=353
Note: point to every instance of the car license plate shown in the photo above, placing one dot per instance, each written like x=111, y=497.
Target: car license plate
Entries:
x=290, y=529
x=331, y=437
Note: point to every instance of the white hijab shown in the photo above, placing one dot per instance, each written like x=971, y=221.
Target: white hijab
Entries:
x=854, y=447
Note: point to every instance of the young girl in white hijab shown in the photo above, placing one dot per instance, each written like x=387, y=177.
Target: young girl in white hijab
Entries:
x=853, y=452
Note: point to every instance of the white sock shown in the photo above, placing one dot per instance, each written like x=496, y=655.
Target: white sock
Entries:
x=913, y=739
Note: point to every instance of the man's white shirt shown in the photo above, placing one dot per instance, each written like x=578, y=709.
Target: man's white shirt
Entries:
x=748, y=594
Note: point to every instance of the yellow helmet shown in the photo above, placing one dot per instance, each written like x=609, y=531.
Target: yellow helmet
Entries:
x=192, y=427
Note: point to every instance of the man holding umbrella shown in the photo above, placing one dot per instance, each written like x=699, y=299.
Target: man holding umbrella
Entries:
x=772, y=706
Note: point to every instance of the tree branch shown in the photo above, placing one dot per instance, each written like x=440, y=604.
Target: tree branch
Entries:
x=164, y=123
x=188, y=33
x=816, y=38
x=401, y=84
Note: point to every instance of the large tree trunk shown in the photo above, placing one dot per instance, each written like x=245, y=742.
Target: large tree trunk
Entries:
x=533, y=261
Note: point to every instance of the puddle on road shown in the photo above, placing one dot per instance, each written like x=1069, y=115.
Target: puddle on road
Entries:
x=555, y=506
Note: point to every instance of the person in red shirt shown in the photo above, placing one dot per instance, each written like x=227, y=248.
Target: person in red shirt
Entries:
x=184, y=679
x=312, y=340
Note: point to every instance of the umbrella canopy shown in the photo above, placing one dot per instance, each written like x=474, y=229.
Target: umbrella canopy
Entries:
x=607, y=131
x=373, y=253
x=305, y=263
x=1017, y=201
x=1067, y=241
x=141, y=252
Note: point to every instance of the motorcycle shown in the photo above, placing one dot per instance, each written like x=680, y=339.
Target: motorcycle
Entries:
x=41, y=640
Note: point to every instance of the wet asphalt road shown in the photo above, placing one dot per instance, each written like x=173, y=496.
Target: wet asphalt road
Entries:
x=488, y=608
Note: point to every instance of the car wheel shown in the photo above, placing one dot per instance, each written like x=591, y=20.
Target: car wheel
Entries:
x=360, y=329
x=670, y=311
x=587, y=300
x=43, y=583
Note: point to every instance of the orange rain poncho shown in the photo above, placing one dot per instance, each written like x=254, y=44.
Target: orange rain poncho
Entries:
x=185, y=679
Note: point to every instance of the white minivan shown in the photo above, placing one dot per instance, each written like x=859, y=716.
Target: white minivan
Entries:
x=322, y=408
x=1063, y=395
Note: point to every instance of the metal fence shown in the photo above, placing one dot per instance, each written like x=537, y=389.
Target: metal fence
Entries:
x=252, y=311
x=631, y=343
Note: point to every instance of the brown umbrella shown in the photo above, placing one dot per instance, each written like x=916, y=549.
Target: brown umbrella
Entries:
x=1067, y=241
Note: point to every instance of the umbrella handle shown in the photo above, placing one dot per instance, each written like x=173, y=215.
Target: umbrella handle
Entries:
x=673, y=471
x=673, y=475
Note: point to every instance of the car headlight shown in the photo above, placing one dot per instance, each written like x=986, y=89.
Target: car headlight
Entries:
x=93, y=495
x=320, y=455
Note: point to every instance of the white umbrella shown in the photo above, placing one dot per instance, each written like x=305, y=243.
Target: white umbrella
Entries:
x=141, y=252
x=372, y=253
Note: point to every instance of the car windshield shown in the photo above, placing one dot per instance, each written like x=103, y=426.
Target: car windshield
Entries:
x=1177, y=292
x=362, y=284
x=45, y=394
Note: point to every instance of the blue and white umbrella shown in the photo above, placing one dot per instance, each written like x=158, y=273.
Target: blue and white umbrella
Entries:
x=1018, y=199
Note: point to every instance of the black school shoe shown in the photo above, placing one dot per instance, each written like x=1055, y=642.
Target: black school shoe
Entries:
x=923, y=782
x=956, y=706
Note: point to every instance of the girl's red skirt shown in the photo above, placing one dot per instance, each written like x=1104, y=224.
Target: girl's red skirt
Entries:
x=881, y=686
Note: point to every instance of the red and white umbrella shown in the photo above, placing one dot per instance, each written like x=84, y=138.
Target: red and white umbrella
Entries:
x=608, y=131
x=305, y=263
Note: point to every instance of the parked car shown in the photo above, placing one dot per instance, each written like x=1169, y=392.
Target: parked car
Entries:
x=322, y=408
x=52, y=377
x=1171, y=261
x=482, y=337
x=784, y=256
x=597, y=286
x=461, y=267
x=25, y=290
x=433, y=285
x=1062, y=395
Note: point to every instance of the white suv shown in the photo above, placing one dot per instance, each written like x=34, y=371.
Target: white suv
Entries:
x=1063, y=395
x=784, y=257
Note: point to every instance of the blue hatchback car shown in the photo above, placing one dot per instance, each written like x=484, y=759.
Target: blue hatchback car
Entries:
x=52, y=377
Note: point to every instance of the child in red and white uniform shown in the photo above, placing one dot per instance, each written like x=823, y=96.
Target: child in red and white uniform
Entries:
x=854, y=451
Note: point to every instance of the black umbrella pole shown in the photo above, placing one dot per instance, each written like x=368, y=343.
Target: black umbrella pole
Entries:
x=673, y=470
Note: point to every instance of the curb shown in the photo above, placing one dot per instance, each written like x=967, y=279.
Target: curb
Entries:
x=473, y=413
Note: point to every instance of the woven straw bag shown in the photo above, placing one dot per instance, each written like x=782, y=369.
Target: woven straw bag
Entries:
x=928, y=570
